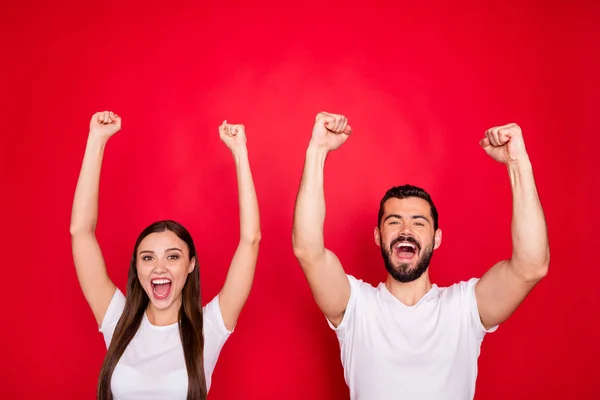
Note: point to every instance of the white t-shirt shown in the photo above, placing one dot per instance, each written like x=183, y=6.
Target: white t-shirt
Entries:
x=426, y=351
x=153, y=365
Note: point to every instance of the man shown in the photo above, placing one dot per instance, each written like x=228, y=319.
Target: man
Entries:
x=408, y=338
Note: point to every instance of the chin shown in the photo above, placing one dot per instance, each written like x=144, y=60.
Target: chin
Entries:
x=161, y=304
x=403, y=266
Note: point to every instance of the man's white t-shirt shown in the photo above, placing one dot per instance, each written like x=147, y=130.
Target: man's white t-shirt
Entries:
x=153, y=366
x=426, y=351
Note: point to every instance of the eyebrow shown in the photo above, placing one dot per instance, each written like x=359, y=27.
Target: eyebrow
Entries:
x=169, y=249
x=417, y=216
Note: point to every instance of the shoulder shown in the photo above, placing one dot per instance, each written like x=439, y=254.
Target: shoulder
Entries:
x=114, y=311
x=460, y=290
x=359, y=283
x=465, y=291
x=213, y=318
x=360, y=288
x=112, y=316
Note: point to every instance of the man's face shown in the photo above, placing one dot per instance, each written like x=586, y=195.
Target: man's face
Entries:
x=407, y=238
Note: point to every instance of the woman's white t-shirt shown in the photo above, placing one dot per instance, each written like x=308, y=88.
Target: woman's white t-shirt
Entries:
x=153, y=365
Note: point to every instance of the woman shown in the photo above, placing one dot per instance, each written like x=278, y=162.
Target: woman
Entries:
x=162, y=344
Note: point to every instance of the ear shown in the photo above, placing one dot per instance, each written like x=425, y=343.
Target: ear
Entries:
x=437, y=239
x=192, y=265
x=377, y=236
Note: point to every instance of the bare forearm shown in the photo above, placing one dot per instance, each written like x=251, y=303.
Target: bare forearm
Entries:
x=248, y=203
x=240, y=276
x=309, y=214
x=531, y=254
x=85, y=204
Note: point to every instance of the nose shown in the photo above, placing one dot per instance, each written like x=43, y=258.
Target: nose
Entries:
x=160, y=267
x=406, y=229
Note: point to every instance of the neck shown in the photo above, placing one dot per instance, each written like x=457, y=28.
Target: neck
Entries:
x=411, y=292
x=163, y=317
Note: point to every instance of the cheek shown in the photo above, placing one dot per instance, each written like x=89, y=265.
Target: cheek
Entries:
x=143, y=271
x=388, y=236
x=180, y=272
x=384, y=241
x=426, y=240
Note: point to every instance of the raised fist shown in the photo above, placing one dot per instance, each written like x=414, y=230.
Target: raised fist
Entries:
x=504, y=143
x=105, y=124
x=330, y=131
x=233, y=135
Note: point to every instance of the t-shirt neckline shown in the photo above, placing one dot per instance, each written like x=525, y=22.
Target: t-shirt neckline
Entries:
x=430, y=293
x=147, y=322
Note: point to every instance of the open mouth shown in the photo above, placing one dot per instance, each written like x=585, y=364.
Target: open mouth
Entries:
x=161, y=288
x=405, y=249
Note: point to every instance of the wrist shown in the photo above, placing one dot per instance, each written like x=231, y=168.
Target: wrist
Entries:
x=316, y=149
x=520, y=172
x=239, y=153
x=316, y=155
x=521, y=164
x=96, y=138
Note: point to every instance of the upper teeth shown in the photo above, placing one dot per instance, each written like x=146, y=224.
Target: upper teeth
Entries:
x=160, y=281
x=405, y=244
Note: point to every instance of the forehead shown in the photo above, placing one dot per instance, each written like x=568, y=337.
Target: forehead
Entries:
x=407, y=206
x=159, y=241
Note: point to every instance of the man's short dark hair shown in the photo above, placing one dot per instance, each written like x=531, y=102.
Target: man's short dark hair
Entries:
x=404, y=192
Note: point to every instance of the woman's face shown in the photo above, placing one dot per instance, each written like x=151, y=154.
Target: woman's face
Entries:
x=163, y=265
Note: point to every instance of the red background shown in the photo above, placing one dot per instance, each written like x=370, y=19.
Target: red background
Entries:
x=419, y=86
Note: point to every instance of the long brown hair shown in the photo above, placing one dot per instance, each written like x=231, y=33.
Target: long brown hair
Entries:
x=190, y=320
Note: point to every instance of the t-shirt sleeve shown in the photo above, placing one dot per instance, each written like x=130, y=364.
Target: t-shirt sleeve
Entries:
x=113, y=313
x=350, y=314
x=469, y=291
x=215, y=336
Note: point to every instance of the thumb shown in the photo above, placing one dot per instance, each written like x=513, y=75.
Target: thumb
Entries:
x=348, y=130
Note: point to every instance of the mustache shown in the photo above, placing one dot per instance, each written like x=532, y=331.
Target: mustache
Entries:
x=405, y=238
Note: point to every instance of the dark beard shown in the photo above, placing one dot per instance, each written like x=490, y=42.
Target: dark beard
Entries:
x=401, y=272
